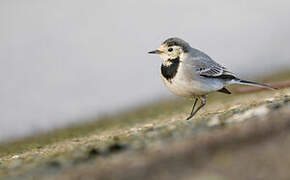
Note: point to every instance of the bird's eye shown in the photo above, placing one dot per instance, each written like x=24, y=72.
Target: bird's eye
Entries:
x=170, y=49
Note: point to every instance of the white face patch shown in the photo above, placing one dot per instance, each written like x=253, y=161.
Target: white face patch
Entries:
x=170, y=53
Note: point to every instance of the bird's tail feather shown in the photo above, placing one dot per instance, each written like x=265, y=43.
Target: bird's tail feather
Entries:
x=250, y=83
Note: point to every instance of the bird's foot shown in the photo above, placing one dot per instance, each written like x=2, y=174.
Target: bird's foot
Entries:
x=189, y=117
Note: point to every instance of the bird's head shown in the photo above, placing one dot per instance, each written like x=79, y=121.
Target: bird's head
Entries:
x=172, y=48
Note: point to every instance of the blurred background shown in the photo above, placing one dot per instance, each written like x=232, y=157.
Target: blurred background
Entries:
x=64, y=61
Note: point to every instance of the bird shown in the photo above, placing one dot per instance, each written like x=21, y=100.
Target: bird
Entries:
x=191, y=73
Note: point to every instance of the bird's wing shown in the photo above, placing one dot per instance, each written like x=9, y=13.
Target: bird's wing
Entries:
x=205, y=66
x=212, y=70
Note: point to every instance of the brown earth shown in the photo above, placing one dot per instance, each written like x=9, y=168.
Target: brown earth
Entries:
x=243, y=136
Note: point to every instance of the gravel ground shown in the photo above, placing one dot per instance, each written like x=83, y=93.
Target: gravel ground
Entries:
x=235, y=137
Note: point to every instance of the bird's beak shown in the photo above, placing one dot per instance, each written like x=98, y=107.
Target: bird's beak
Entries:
x=155, y=52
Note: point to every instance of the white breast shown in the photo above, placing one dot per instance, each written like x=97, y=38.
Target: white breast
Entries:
x=188, y=84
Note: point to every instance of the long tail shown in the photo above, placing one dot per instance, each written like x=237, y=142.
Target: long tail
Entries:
x=250, y=83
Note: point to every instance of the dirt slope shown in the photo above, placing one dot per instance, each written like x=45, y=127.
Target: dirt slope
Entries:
x=243, y=136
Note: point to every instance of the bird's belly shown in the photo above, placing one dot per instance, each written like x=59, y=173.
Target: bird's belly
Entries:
x=192, y=88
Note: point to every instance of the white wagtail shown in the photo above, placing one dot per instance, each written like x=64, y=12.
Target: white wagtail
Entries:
x=190, y=73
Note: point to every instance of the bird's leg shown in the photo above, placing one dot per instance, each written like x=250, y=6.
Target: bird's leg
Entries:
x=192, y=111
x=203, y=102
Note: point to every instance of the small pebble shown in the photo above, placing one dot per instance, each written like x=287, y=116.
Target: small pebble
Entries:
x=214, y=121
x=15, y=157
